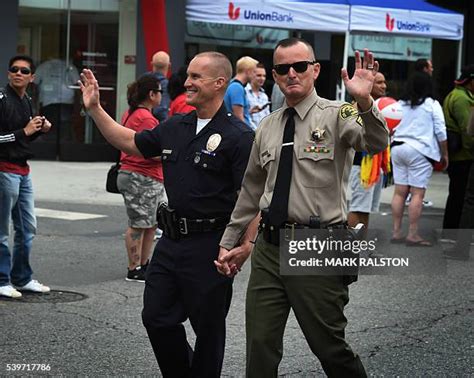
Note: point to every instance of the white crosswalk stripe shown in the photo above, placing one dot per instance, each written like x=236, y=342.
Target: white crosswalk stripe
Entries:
x=66, y=215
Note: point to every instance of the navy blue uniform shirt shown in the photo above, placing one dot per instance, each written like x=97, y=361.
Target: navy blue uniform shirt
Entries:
x=200, y=183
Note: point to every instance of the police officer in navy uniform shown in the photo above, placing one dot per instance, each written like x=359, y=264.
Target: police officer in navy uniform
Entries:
x=204, y=156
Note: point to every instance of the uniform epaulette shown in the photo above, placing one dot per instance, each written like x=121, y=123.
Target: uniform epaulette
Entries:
x=324, y=103
x=237, y=123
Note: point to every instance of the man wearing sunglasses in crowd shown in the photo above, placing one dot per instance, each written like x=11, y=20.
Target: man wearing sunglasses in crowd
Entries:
x=297, y=177
x=18, y=128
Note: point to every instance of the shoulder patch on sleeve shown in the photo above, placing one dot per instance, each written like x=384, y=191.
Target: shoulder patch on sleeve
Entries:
x=347, y=110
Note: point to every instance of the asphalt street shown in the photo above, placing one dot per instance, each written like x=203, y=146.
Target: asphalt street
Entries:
x=400, y=324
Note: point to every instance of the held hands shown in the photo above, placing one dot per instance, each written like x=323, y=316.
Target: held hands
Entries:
x=230, y=262
x=360, y=86
x=90, y=89
x=38, y=123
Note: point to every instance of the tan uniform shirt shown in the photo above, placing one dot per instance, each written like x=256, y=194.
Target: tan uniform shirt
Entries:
x=326, y=134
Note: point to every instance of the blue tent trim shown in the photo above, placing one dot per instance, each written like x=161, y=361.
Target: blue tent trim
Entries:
x=416, y=5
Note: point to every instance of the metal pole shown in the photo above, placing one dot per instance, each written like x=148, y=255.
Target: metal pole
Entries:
x=68, y=32
x=345, y=56
x=459, y=58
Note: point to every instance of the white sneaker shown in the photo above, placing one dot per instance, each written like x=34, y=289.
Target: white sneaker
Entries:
x=9, y=291
x=427, y=203
x=35, y=287
x=408, y=199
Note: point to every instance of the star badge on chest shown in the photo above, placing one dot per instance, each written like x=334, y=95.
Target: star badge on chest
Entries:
x=317, y=135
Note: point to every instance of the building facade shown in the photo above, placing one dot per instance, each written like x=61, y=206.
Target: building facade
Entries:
x=116, y=39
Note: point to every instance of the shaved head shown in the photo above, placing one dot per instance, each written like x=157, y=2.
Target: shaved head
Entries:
x=160, y=61
x=219, y=64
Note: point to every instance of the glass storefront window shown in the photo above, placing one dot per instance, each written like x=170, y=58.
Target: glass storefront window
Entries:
x=63, y=37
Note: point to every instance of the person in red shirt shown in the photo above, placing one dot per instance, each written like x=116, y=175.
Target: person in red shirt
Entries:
x=140, y=180
x=177, y=93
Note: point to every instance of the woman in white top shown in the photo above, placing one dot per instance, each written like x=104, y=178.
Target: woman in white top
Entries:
x=419, y=140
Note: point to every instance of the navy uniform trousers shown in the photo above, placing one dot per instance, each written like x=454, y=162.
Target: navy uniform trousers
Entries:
x=183, y=283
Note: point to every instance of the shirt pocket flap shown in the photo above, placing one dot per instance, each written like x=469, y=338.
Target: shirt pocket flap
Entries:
x=210, y=162
x=317, y=152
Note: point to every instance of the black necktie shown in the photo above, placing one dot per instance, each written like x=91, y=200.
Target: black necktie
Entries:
x=278, y=210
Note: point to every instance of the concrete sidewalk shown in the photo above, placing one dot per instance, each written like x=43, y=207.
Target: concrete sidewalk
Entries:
x=68, y=182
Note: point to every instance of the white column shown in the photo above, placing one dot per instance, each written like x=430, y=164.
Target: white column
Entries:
x=127, y=46
x=459, y=58
x=344, y=63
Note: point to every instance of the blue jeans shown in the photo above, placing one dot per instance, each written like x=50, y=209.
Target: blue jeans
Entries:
x=17, y=204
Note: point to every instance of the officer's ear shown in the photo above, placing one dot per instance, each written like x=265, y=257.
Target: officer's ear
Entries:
x=219, y=83
x=316, y=70
x=32, y=78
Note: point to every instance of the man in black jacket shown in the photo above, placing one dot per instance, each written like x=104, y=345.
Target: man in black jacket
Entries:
x=18, y=128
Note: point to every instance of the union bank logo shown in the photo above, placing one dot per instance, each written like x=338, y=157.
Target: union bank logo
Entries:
x=389, y=22
x=403, y=25
x=234, y=13
x=264, y=16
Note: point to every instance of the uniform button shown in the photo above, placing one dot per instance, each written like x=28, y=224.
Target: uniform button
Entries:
x=229, y=114
x=204, y=165
x=165, y=157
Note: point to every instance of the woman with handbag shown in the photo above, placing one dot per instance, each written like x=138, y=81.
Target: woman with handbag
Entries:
x=418, y=141
x=140, y=180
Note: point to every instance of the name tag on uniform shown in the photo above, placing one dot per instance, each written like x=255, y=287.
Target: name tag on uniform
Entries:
x=167, y=151
x=209, y=153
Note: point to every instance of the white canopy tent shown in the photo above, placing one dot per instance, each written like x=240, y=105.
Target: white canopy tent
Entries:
x=323, y=15
x=409, y=18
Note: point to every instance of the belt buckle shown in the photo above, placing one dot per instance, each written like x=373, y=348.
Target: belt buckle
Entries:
x=289, y=230
x=183, y=226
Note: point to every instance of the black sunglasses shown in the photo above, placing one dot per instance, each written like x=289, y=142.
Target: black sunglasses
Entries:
x=23, y=70
x=158, y=90
x=300, y=67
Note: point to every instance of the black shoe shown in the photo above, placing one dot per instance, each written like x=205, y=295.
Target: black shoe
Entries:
x=135, y=275
x=453, y=254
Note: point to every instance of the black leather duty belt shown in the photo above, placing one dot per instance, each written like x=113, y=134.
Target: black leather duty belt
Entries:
x=271, y=234
x=187, y=226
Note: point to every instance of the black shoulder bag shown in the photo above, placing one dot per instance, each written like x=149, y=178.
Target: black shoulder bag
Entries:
x=112, y=174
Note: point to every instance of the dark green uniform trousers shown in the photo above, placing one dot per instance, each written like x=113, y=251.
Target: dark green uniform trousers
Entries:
x=318, y=303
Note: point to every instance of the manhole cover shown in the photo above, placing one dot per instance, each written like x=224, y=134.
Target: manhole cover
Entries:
x=54, y=296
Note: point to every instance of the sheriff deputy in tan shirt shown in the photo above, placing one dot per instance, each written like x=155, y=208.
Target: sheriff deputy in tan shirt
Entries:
x=326, y=134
